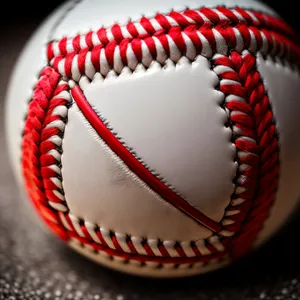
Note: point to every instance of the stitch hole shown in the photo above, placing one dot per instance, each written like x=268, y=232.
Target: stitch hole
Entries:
x=144, y=241
x=128, y=238
x=192, y=244
x=159, y=243
x=80, y=222
x=143, y=264
x=126, y=262
x=111, y=258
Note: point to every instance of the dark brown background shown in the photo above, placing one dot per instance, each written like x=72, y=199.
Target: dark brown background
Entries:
x=36, y=265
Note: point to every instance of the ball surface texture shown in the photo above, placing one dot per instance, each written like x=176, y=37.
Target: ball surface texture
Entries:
x=159, y=138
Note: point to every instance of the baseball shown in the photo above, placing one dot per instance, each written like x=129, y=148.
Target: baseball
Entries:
x=159, y=138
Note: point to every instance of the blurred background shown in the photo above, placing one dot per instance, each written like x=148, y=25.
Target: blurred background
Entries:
x=35, y=265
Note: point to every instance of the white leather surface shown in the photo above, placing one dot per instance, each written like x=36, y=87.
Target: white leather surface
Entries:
x=150, y=269
x=283, y=86
x=93, y=14
x=31, y=61
x=173, y=121
x=102, y=190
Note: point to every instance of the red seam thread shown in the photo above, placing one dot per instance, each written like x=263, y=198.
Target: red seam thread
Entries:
x=262, y=129
x=34, y=150
x=276, y=31
x=147, y=258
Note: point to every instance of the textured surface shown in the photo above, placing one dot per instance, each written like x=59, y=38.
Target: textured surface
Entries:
x=36, y=265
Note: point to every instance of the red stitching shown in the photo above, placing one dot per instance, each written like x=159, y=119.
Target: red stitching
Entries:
x=278, y=34
x=251, y=121
x=34, y=156
x=150, y=257
x=255, y=120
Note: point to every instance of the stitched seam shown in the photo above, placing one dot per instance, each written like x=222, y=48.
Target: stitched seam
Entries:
x=170, y=39
x=262, y=17
x=49, y=94
x=233, y=14
x=260, y=135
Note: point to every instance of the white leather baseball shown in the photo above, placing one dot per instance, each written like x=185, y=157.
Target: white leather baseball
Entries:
x=159, y=138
